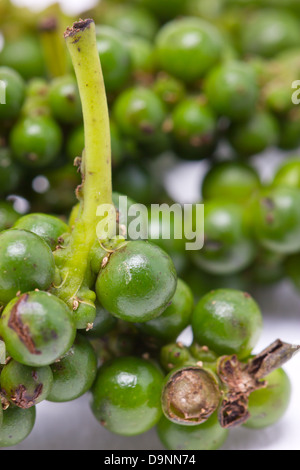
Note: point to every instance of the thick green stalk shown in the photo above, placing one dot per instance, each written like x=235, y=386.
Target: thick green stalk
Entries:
x=96, y=188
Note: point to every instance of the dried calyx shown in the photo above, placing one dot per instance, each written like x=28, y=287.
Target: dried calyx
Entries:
x=239, y=380
x=192, y=393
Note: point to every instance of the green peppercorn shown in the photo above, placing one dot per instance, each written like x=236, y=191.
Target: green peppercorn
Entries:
x=137, y=283
x=25, y=386
x=74, y=373
x=126, y=396
x=13, y=91
x=17, y=425
x=37, y=328
x=227, y=321
x=26, y=262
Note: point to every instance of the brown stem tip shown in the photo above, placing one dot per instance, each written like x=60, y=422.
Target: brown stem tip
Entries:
x=78, y=26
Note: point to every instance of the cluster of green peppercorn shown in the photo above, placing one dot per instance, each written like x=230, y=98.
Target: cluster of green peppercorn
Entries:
x=182, y=79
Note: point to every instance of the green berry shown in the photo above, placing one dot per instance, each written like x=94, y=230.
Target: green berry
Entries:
x=188, y=48
x=17, y=425
x=277, y=220
x=227, y=321
x=47, y=227
x=207, y=436
x=114, y=56
x=8, y=216
x=232, y=90
x=36, y=141
x=25, y=386
x=137, y=283
x=230, y=181
x=26, y=263
x=127, y=396
x=24, y=54
x=37, y=328
x=64, y=100
x=168, y=326
x=74, y=373
x=268, y=405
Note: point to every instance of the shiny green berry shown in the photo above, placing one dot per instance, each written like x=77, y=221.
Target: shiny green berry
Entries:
x=188, y=48
x=194, y=127
x=269, y=32
x=47, y=227
x=255, y=135
x=230, y=181
x=25, y=386
x=206, y=436
x=277, y=220
x=37, y=328
x=26, y=263
x=127, y=396
x=227, y=321
x=139, y=114
x=17, y=425
x=137, y=283
x=24, y=54
x=228, y=246
x=74, y=373
x=268, y=405
x=115, y=58
x=103, y=323
x=288, y=174
x=232, y=90
x=36, y=141
x=64, y=100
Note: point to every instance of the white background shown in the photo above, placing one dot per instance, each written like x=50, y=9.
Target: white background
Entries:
x=72, y=425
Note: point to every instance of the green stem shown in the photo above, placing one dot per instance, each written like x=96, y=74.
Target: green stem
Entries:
x=53, y=47
x=96, y=188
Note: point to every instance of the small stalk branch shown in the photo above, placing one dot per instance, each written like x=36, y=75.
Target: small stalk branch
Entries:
x=96, y=187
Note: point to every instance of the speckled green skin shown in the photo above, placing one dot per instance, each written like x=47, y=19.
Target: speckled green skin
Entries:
x=37, y=328
x=187, y=48
x=139, y=113
x=10, y=173
x=231, y=181
x=17, y=425
x=137, y=283
x=207, y=436
x=36, y=141
x=194, y=128
x=127, y=396
x=64, y=100
x=277, y=220
x=25, y=386
x=75, y=373
x=256, y=135
x=228, y=247
x=258, y=35
x=114, y=56
x=228, y=321
x=47, y=227
x=8, y=216
x=288, y=174
x=232, y=90
x=168, y=326
x=14, y=93
x=268, y=405
x=26, y=263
